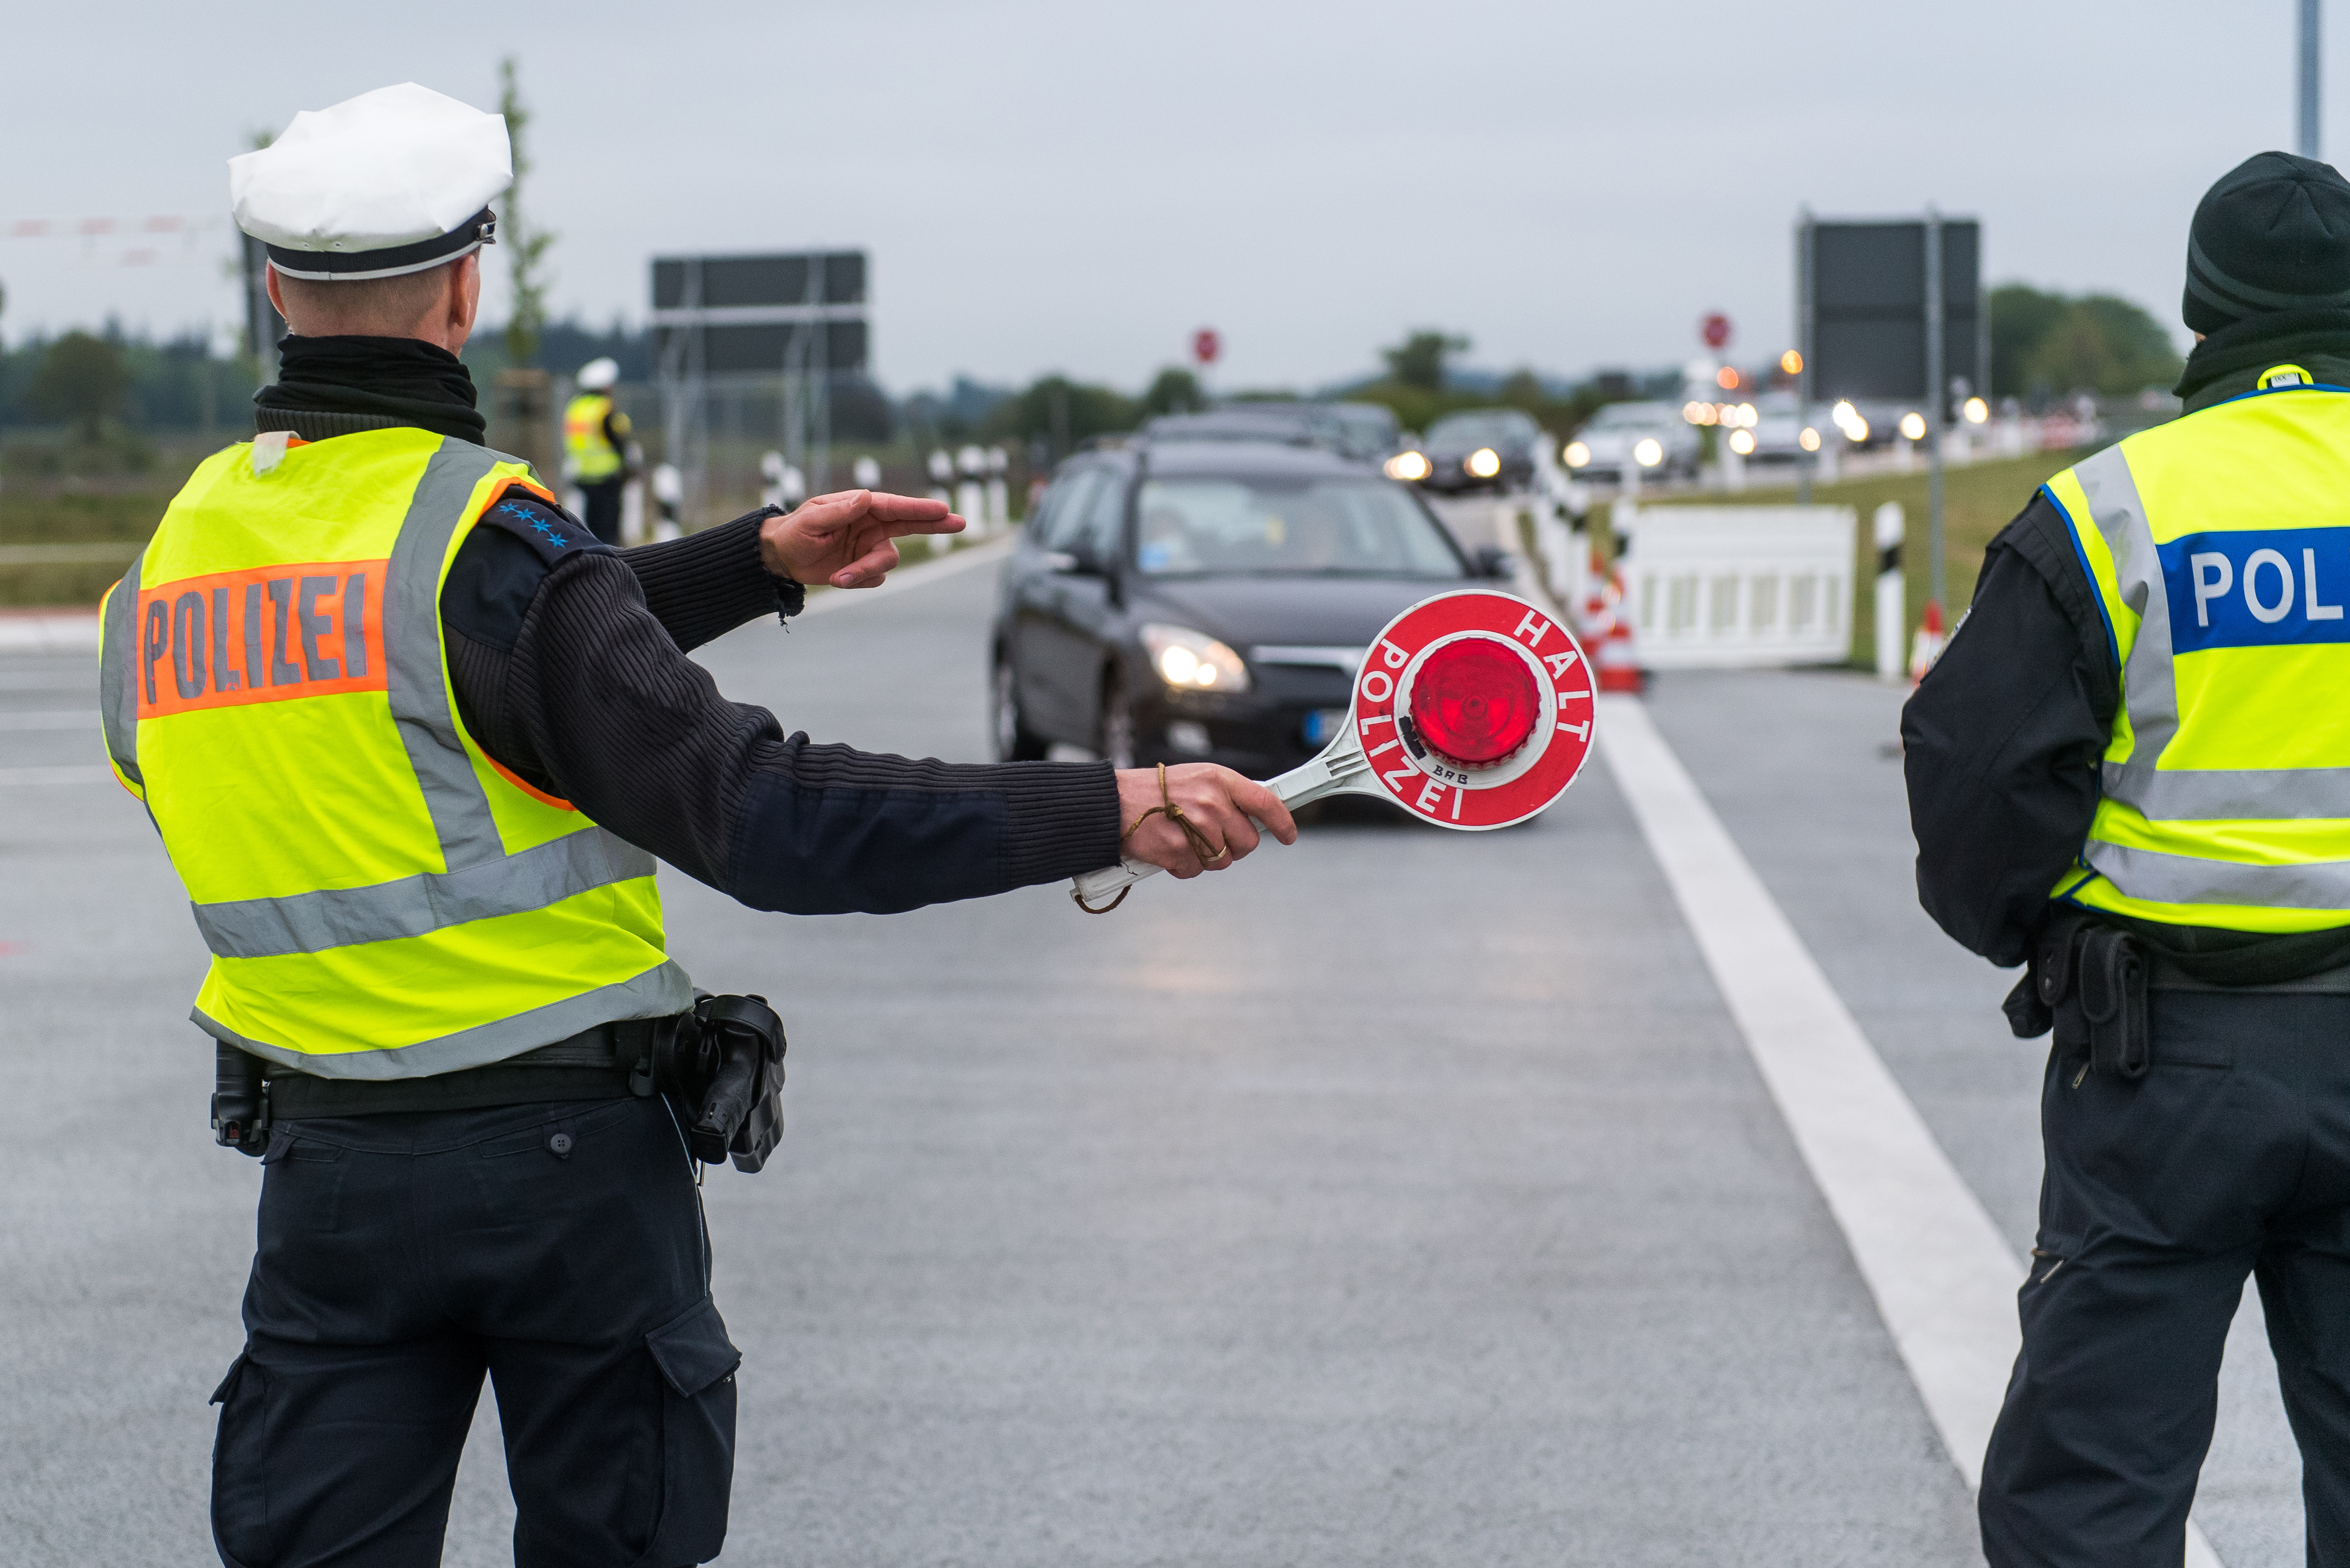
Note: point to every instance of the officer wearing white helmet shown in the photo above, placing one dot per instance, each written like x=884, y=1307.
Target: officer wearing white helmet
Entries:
x=596, y=448
x=413, y=739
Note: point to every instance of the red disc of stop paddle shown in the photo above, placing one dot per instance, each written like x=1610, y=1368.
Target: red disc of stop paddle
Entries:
x=1474, y=709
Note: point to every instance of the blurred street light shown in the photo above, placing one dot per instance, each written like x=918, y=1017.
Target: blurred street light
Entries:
x=1742, y=443
x=1810, y=440
x=1725, y=378
x=1791, y=362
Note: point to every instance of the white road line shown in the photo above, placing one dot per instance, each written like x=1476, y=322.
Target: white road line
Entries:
x=1944, y=1278
x=55, y=775
x=912, y=576
x=48, y=719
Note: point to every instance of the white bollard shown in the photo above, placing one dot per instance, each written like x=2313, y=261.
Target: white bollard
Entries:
x=868, y=474
x=1892, y=594
x=999, y=495
x=941, y=468
x=632, y=513
x=669, y=495
x=771, y=469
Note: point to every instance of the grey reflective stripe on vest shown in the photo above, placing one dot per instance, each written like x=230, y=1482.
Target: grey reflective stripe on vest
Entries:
x=412, y=906
x=2164, y=878
x=660, y=991
x=2230, y=795
x=415, y=682
x=118, y=673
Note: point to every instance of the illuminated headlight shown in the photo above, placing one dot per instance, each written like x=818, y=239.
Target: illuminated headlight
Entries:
x=1192, y=661
x=1649, y=452
x=1855, y=430
x=1742, y=441
x=1484, y=463
x=1578, y=454
x=1408, y=466
x=1913, y=426
x=1977, y=411
x=1810, y=438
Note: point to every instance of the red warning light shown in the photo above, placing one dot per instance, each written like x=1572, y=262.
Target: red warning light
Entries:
x=1475, y=701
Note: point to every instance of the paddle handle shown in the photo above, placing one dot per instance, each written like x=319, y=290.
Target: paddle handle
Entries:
x=1330, y=773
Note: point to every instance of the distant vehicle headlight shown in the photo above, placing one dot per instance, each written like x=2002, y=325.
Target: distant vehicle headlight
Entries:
x=1855, y=430
x=1578, y=454
x=1649, y=452
x=1189, y=660
x=1484, y=463
x=1913, y=426
x=1977, y=411
x=1742, y=441
x=1408, y=466
x=1810, y=438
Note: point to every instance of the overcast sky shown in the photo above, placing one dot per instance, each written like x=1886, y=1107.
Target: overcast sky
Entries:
x=1049, y=186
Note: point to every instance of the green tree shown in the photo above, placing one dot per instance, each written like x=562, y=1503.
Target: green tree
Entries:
x=81, y=379
x=1064, y=414
x=2045, y=344
x=525, y=245
x=1418, y=360
x=1176, y=391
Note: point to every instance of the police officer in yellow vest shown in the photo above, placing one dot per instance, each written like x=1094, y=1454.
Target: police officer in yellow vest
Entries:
x=596, y=448
x=2131, y=771
x=413, y=740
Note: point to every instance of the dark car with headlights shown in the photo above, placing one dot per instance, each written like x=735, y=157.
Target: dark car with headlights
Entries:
x=1191, y=602
x=1485, y=449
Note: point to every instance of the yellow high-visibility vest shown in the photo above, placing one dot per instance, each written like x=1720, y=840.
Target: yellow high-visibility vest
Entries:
x=2219, y=548
x=588, y=453
x=381, y=898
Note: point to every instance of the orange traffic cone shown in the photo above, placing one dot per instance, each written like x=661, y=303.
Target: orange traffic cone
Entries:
x=1927, y=647
x=1607, y=631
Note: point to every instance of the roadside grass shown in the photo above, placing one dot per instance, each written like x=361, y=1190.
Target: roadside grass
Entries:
x=1977, y=501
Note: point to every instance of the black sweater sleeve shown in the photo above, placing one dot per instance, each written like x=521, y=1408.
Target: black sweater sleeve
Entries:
x=2001, y=740
x=567, y=676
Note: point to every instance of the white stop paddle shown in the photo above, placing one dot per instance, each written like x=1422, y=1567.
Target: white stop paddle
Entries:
x=1472, y=710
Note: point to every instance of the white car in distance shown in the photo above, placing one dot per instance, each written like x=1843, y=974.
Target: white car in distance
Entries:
x=1653, y=437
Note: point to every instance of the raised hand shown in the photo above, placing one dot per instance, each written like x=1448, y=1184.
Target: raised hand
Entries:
x=844, y=538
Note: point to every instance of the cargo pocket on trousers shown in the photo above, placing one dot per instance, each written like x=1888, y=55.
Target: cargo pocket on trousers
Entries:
x=697, y=1363
x=241, y=1465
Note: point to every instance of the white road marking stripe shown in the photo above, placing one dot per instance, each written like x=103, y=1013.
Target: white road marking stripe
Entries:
x=48, y=719
x=57, y=775
x=1943, y=1277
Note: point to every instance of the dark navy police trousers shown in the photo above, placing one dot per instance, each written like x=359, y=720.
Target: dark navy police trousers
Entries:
x=559, y=1248
x=2231, y=1156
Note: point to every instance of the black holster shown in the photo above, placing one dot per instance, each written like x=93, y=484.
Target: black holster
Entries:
x=721, y=1065
x=2089, y=983
x=240, y=1101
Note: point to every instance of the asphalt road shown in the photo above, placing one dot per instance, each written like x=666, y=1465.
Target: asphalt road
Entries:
x=1397, y=1198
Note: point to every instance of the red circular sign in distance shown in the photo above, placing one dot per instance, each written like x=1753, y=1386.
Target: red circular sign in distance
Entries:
x=1474, y=702
x=1439, y=684
x=1206, y=345
x=1715, y=328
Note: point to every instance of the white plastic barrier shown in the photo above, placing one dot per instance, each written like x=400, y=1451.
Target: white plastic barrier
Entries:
x=1724, y=586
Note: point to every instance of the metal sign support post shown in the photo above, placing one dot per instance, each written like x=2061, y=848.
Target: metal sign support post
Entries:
x=2308, y=80
x=1804, y=458
x=1937, y=396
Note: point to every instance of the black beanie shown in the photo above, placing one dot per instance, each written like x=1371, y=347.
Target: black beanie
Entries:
x=2273, y=234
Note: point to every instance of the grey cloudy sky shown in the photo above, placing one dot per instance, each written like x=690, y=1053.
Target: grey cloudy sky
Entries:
x=1046, y=185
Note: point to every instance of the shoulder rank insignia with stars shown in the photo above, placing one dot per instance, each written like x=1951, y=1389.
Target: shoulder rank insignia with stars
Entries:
x=550, y=530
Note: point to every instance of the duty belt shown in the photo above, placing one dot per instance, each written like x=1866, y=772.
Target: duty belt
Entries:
x=593, y=1064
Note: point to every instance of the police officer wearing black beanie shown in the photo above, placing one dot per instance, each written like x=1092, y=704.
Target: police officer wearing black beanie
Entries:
x=2128, y=773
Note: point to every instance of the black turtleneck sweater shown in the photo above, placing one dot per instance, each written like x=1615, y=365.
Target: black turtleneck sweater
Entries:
x=2001, y=740
x=568, y=660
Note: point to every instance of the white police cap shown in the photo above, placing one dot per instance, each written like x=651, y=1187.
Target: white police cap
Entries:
x=391, y=181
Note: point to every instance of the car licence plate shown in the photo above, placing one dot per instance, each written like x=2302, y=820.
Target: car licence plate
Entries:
x=1321, y=723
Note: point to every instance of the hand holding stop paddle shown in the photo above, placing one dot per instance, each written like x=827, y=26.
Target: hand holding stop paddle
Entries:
x=1472, y=710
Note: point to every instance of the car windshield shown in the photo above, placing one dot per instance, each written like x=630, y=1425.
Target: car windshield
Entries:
x=1483, y=429
x=1631, y=416
x=1211, y=528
